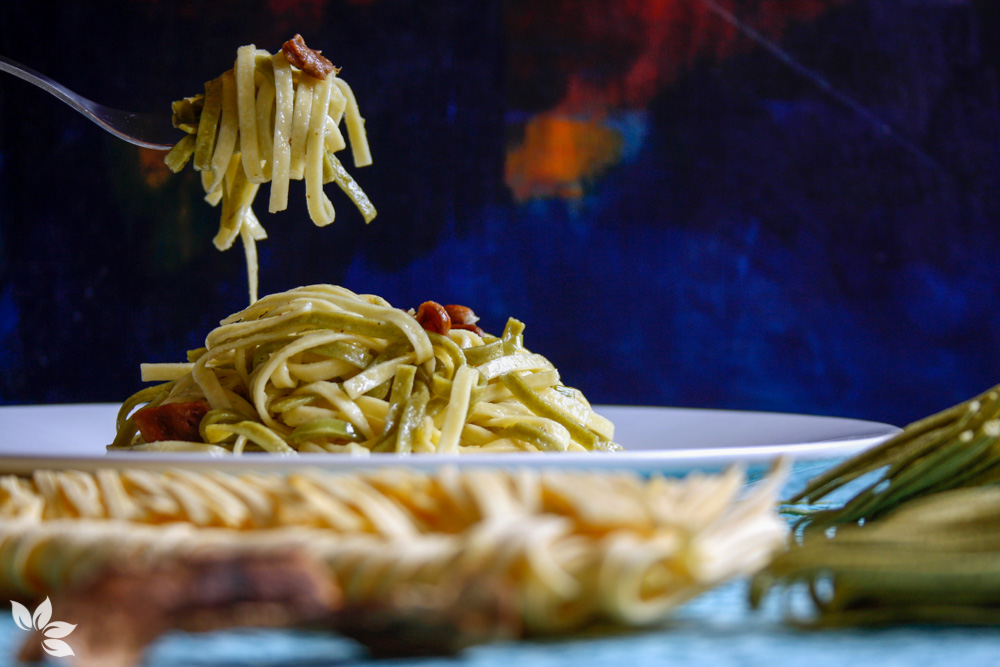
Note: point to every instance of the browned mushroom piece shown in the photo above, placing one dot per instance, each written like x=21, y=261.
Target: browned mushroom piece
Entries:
x=432, y=316
x=308, y=60
x=171, y=421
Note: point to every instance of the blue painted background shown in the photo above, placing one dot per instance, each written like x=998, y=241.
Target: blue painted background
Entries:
x=816, y=232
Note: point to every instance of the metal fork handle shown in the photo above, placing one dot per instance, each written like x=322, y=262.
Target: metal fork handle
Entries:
x=98, y=113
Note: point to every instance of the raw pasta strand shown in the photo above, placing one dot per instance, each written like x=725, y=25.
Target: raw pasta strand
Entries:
x=378, y=533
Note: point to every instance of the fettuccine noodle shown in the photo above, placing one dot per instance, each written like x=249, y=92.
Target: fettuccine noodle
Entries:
x=268, y=121
x=322, y=369
x=574, y=547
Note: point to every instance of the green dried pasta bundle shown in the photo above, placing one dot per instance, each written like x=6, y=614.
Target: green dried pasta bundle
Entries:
x=932, y=560
x=958, y=447
x=918, y=542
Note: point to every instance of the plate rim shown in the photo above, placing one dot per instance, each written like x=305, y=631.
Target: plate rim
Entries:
x=678, y=459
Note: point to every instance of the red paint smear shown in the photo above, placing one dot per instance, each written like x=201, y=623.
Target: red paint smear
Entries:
x=600, y=57
x=617, y=54
x=312, y=9
x=678, y=33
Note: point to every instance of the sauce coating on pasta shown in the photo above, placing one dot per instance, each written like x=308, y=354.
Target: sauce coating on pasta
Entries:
x=322, y=369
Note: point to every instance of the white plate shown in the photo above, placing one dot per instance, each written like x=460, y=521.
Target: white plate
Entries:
x=656, y=439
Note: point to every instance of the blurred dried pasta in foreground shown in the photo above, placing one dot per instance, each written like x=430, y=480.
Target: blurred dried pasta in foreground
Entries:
x=570, y=548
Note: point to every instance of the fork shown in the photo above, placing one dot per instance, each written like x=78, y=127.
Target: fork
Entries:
x=142, y=129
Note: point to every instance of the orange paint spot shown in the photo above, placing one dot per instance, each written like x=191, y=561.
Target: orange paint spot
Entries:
x=558, y=156
x=153, y=170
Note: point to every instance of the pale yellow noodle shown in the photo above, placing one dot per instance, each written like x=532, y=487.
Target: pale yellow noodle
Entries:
x=458, y=409
x=246, y=66
x=355, y=126
x=228, y=132
x=284, y=112
x=250, y=252
x=334, y=138
x=264, y=109
x=320, y=209
x=304, y=92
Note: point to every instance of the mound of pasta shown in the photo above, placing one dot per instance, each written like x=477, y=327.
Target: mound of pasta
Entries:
x=322, y=369
x=272, y=118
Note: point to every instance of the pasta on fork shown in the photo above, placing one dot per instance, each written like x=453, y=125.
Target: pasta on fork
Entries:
x=272, y=118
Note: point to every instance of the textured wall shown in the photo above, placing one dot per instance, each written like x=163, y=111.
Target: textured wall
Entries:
x=765, y=205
